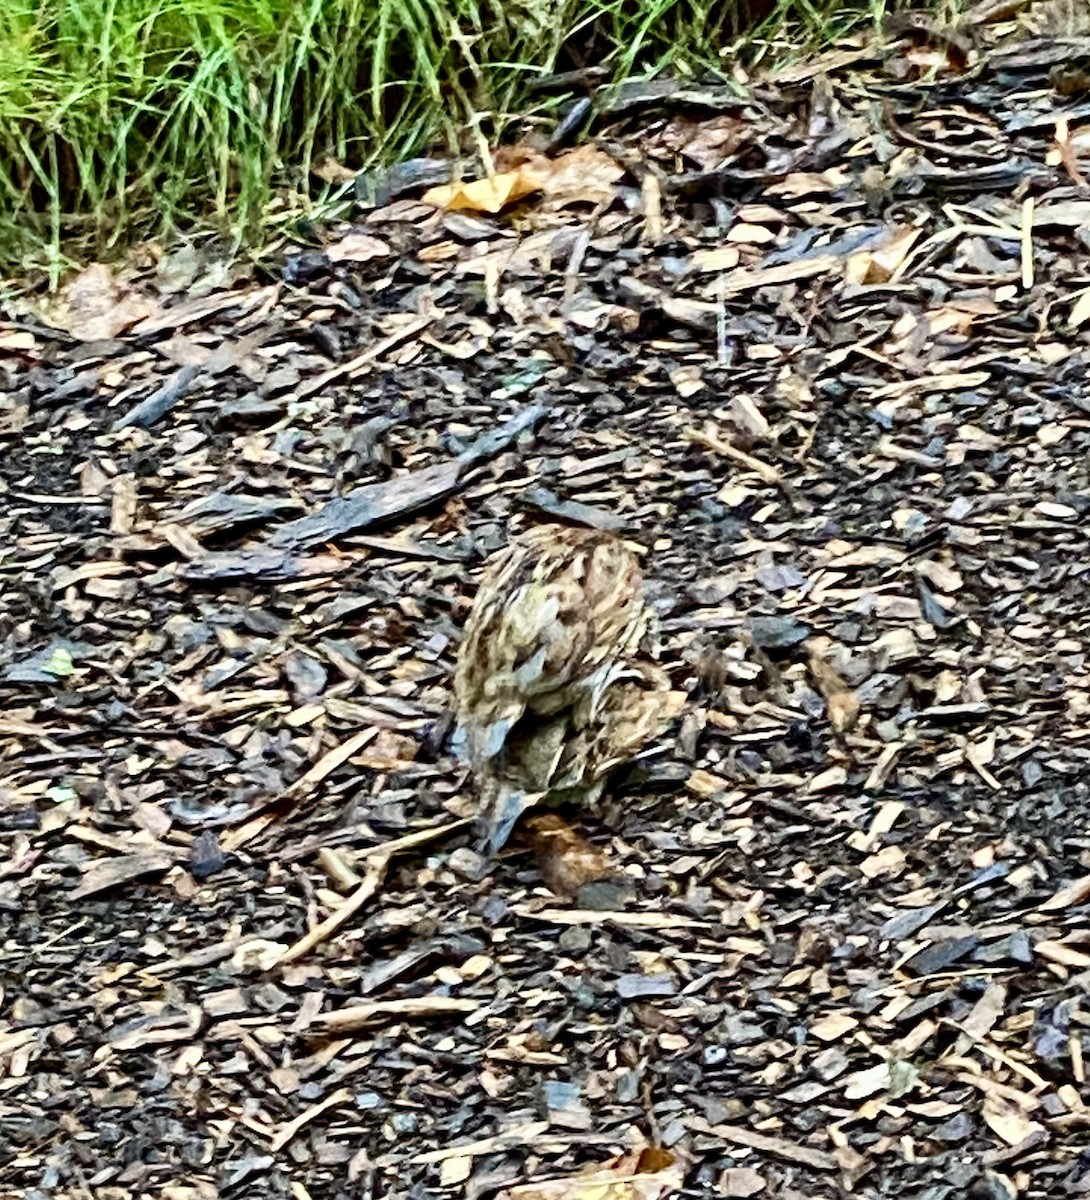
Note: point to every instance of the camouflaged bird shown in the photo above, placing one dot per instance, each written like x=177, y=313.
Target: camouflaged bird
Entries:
x=550, y=690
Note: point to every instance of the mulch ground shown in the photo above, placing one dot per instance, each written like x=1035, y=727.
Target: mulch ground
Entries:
x=822, y=353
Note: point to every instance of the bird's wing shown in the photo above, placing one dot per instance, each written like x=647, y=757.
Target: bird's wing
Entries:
x=549, y=623
x=633, y=711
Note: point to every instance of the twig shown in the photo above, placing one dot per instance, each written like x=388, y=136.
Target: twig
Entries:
x=777, y=1147
x=40, y=498
x=358, y=1016
x=594, y=916
x=288, y=1131
x=1067, y=153
x=722, y=345
x=532, y=1133
x=377, y=862
x=353, y=365
x=337, y=868
x=330, y=761
x=651, y=196
x=160, y=402
x=579, y=250
x=207, y=955
x=709, y=438
x=372, y=503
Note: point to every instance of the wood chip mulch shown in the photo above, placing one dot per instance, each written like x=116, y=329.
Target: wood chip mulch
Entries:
x=823, y=354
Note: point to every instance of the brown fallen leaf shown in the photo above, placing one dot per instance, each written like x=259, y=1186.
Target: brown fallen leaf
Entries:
x=706, y=143
x=584, y=175
x=357, y=247
x=96, y=306
x=565, y=859
x=646, y=1174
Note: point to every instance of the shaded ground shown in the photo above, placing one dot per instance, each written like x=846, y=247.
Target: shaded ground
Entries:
x=850, y=957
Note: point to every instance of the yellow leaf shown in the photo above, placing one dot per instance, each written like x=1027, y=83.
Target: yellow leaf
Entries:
x=489, y=195
x=585, y=175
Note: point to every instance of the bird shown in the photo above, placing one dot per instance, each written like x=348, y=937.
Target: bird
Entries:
x=555, y=684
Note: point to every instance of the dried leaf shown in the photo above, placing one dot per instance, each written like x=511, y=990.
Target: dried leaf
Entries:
x=490, y=195
x=96, y=306
x=567, y=861
x=648, y=1174
x=584, y=175
x=357, y=247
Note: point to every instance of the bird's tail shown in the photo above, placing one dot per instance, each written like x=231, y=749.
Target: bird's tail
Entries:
x=501, y=808
x=478, y=744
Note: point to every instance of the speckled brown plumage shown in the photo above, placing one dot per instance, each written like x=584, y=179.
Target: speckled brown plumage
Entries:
x=550, y=689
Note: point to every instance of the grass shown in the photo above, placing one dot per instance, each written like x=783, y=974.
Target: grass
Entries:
x=127, y=119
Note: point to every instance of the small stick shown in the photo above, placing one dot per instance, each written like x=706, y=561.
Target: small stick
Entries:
x=218, y=951
x=288, y=1131
x=377, y=862
x=330, y=761
x=651, y=195
x=710, y=440
x=357, y=1016
x=161, y=401
x=337, y=867
x=579, y=250
x=354, y=365
x=1067, y=154
x=722, y=347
